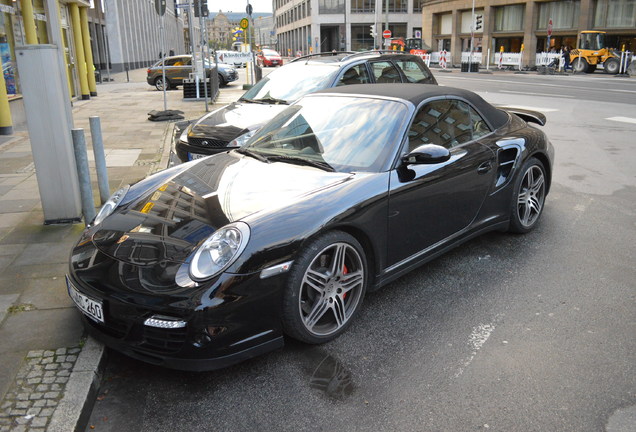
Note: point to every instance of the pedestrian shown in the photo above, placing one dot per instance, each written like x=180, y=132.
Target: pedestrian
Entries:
x=566, y=58
x=171, y=52
x=160, y=55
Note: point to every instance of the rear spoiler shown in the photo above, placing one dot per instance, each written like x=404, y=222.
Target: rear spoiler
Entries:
x=527, y=115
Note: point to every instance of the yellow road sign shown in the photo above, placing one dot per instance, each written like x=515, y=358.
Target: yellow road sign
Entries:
x=244, y=23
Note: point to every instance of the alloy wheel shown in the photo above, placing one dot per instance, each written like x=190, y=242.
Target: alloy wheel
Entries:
x=331, y=289
x=531, y=196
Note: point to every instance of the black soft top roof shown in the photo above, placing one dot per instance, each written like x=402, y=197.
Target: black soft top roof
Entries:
x=416, y=93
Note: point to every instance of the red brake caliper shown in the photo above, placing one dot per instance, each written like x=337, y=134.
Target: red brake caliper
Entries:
x=344, y=272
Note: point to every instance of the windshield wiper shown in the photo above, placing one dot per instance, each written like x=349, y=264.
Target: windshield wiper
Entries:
x=300, y=161
x=248, y=152
x=258, y=101
x=271, y=100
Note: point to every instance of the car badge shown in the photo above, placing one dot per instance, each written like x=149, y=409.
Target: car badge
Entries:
x=205, y=143
x=123, y=239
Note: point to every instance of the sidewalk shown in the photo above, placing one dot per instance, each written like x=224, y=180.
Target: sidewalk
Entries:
x=46, y=367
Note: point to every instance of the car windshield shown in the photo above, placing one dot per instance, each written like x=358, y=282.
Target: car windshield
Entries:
x=293, y=81
x=270, y=52
x=338, y=133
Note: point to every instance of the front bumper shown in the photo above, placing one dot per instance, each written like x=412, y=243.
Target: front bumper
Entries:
x=186, y=151
x=228, y=320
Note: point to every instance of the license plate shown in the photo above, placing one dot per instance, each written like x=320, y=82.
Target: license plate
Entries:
x=194, y=156
x=92, y=308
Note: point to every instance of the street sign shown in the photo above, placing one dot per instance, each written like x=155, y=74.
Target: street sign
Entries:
x=550, y=27
x=244, y=23
x=386, y=34
x=160, y=7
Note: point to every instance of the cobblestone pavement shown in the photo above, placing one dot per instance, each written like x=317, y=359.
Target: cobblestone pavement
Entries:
x=37, y=390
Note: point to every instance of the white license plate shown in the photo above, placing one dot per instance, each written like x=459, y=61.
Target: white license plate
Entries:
x=92, y=308
x=194, y=156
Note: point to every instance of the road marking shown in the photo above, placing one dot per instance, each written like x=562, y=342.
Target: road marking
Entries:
x=622, y=119
x=536, y=94
x=604, y=89
x=476, y=340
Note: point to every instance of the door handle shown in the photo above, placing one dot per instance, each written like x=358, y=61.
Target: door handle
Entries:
x=484, y=167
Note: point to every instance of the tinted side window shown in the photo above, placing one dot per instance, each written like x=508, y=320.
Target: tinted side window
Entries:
x=356, y=75
x=171, y=62
x=414, y=72
x=443, y=122
x=385, y=72
x=479, y=126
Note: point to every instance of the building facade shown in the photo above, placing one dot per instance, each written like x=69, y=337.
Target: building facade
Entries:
x=304, y=26
x=515, y=24
x=221, y=27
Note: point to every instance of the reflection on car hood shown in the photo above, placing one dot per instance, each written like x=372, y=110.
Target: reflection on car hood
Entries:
x=233, y=120
x=171, y=220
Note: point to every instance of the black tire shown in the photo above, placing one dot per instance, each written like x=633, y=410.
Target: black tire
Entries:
x=611, y=66
x=529, y=196
x=579, y=65
x=591, y=69
x=325, y=289
x=159, y=83
x=222, y=82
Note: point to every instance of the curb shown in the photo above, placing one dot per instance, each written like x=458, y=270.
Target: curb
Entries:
x=74, y=409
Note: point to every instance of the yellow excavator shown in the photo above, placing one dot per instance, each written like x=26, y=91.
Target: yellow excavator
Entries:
x=591, y=52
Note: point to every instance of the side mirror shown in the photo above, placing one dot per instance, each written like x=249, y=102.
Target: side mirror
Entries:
x=427, y=154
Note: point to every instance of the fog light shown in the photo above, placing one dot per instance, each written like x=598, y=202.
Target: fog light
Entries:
x=164, y=322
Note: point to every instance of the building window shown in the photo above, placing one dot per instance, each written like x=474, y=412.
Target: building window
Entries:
x=417, y=6
x=467, y=21
x=509, y=18
x=361, y=38
x=445, y=24
x=331, y=7
x=564, y=15
x=362, y=6
x=615, y=14
x=397, y=6
x=7, y=44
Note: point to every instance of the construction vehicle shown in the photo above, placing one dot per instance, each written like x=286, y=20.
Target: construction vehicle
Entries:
x=411, y=45
x=591, y=52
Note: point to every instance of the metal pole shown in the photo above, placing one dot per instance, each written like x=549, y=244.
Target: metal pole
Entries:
x=83, y=174
x=100, y=158
x=203, y=59
x=472, y=39
x=487, y=60
x=163, y=60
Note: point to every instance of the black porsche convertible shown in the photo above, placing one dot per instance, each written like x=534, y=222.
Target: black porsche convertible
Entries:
x=212, y=262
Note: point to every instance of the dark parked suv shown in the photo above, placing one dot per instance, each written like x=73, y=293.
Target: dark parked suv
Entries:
x=179, y=68
x=230, y=126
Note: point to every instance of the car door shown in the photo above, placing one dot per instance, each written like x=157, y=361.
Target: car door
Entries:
x=414, y=71
x=429, y=203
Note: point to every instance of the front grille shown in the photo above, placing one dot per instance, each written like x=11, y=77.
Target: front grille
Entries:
x=206, y=142
x=113, y=327
x=163, y=340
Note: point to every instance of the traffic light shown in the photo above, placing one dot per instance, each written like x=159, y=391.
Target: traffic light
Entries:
x=204, y=8
x=478, y=21
x=373, y=33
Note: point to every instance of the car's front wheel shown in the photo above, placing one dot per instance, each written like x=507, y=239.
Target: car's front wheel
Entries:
x=529, y=197
x=326, y=287
x=222, y=82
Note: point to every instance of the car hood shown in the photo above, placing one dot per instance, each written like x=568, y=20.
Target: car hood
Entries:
x=233, y=120
x=172, y=219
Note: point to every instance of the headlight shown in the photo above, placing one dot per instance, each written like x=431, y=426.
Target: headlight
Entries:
x=219, y=251
x=240, y=140
x=110, y=205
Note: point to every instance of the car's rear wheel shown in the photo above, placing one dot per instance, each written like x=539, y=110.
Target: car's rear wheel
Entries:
x=159, y=83
x=529, y=197
x=326, y=287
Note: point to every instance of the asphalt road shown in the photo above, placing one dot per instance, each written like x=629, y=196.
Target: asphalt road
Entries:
x=506, y=333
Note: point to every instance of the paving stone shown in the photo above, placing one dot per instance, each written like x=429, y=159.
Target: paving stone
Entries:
x=33, y=411
x=51, y=366
x=60, y=351
x=74, y=350
x=67, y=365
x=56, y=387
x=32, y=429
x=22, y=404
x=39, y=403
x=48, y=380
x=42, y=388
x=51, y=403
x=48, y=353
x=23, y=396
x=71, y=358
x=35, y=396
x=47, y=360
x=61, y=380
x=34, y=374
x=17, y=412
x=19, y=428
x=47, y=412
x=64, y=373
x=39, y=422
x=33, y=381
x=51, y=395
x=49, y=374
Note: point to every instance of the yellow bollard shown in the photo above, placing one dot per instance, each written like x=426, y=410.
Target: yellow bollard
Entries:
x=6, y=122
x=88, y=52
x=79, y=50
x=29, y=22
